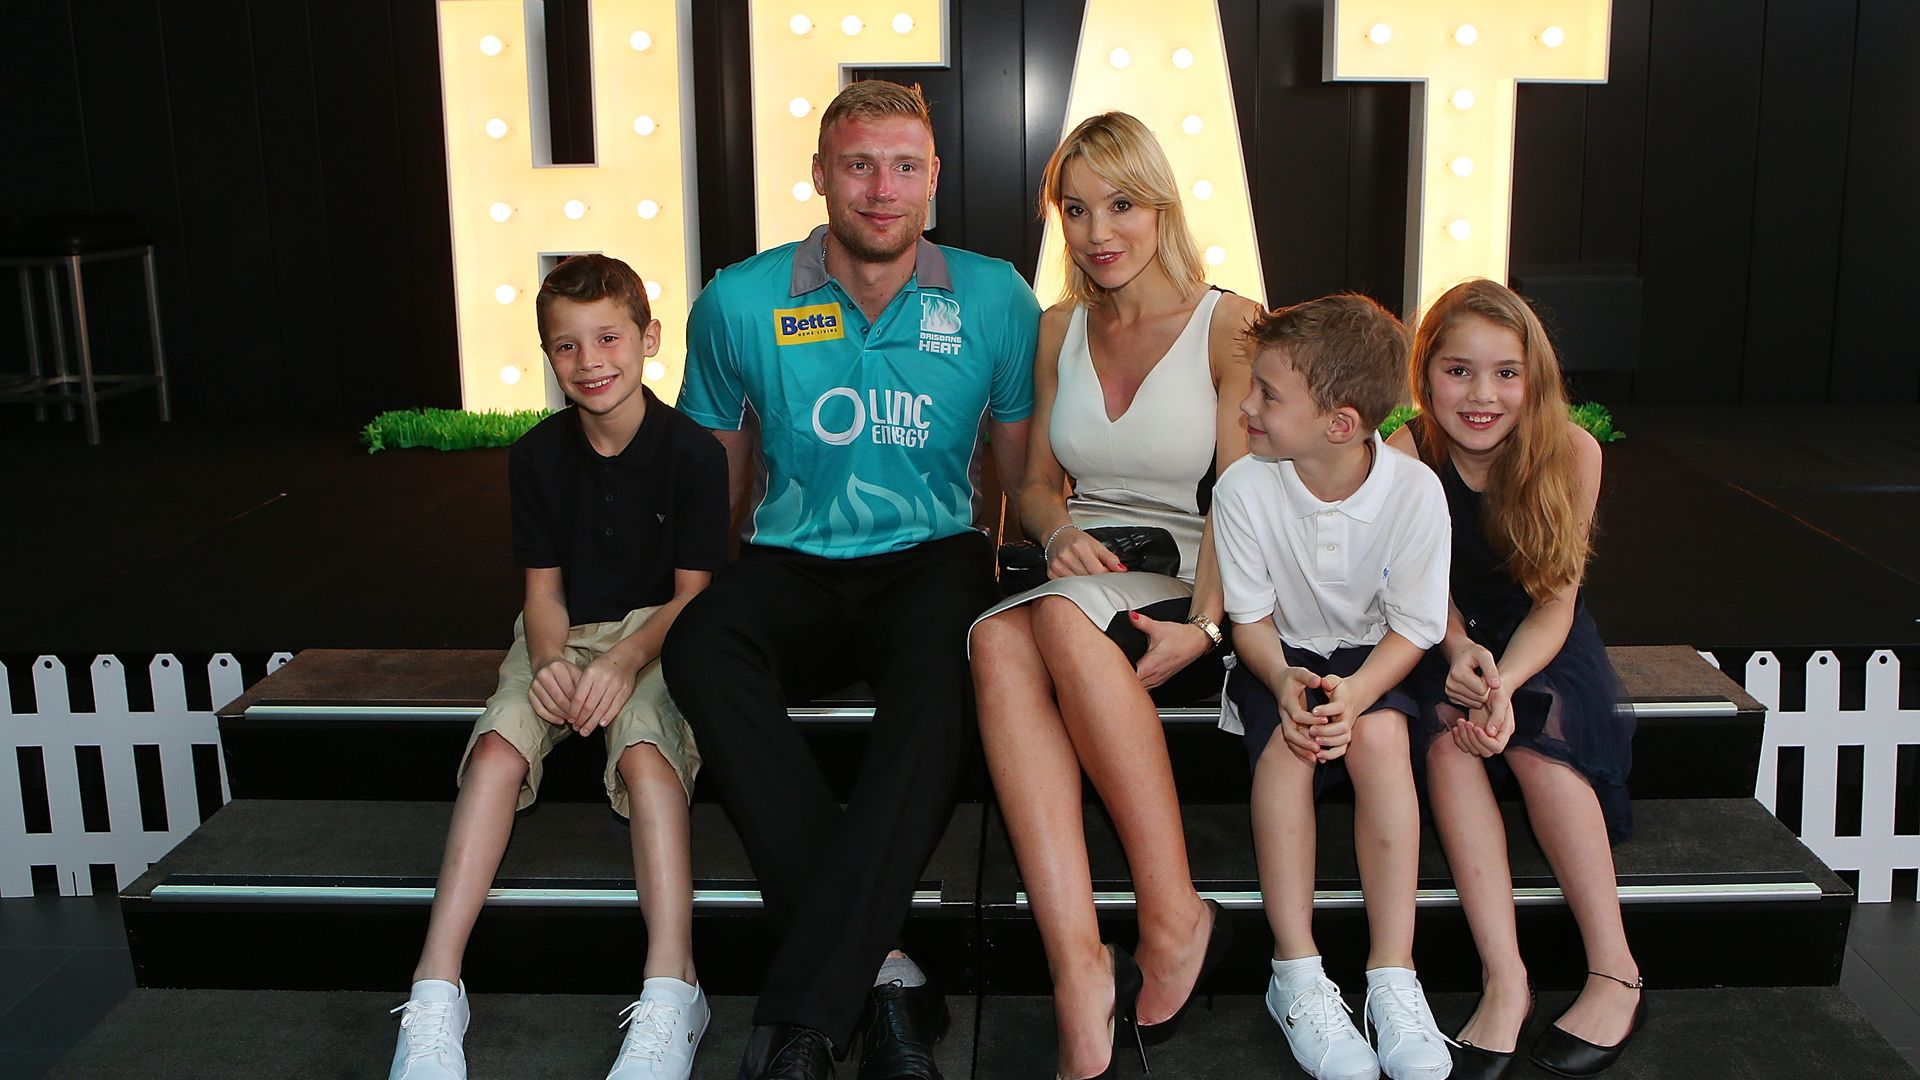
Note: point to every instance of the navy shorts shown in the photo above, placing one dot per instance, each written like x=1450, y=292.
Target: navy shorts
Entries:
x=1260, y=713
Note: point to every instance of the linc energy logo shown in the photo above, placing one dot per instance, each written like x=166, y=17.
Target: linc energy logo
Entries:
x=899, y=417
x=797, y=326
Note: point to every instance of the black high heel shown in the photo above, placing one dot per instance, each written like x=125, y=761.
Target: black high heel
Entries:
x=1219, y=940
x=1472, y=1062
x=1127, y=982
x=1565, y=1054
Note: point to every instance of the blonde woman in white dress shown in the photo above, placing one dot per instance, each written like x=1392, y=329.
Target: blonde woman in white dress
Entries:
x=1137, y=381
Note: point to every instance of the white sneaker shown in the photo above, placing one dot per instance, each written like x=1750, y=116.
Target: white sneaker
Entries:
x=1319, y=1029
x=663, y=1030
x=1406, y=1038
x=435, y=1021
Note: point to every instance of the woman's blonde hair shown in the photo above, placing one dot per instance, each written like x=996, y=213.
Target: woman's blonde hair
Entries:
x=1122, y=151
x=1533, y=488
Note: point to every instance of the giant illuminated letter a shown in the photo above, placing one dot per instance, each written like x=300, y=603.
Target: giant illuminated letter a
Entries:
x=1464, y=58
x=1165, y=61
x=513, y=209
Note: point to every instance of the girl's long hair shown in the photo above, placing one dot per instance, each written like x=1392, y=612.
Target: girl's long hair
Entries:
x=1532, y=497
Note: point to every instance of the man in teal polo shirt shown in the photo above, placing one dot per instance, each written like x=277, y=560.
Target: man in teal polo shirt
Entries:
x=860, y=363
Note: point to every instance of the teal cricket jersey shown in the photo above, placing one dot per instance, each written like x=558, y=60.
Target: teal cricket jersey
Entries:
x=868, y=429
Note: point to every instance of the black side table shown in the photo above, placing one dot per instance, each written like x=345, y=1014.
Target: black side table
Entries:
x=48, y=245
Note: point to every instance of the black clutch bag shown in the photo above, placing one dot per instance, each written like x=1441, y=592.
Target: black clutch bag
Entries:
x=1146, y=548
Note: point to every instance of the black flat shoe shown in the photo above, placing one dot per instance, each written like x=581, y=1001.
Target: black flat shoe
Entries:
x=1127, y=982
x=1219, y=940
x=902, y=1024
x=1472, y=1062
x=1565, y=1054
x=787, y=1052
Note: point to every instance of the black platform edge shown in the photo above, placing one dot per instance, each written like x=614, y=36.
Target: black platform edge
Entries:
x=314, y=1035
x=1684, y=749
x=1780, y=1033
x=1702, y=880
x=338, y=894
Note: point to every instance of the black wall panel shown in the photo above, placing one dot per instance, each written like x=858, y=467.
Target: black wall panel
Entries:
x=1876, y=356
x=1703, y=107
x=1799, y=185
x=1750, y=160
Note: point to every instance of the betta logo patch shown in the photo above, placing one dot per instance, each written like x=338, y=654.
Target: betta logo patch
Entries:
x=797, y=326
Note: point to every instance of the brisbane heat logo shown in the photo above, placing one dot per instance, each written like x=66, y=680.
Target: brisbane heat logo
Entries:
x=797, y=326
x=939, y=325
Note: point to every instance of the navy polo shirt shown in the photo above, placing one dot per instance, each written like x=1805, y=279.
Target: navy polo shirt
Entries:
x=618, y=527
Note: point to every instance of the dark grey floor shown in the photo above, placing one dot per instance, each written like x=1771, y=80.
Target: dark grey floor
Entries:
x=64, y=965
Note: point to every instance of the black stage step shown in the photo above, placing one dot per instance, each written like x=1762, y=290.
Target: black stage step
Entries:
x=309, y=730
x=324, y=895
x=314, y=1035
x=1784, y=1033
x=1728, y=1034
x=1703, y=883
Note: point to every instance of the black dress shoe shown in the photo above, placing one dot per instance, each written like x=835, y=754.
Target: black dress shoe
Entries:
x=902, y=1024
x=1472, y=1062
x=1219, y=940
x=1566, y=1054
x=787, y=1052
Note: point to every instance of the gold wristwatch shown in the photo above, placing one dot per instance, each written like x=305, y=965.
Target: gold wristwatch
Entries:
x=1210, y=628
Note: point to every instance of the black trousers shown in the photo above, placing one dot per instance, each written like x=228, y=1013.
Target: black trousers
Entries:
x=778, y=625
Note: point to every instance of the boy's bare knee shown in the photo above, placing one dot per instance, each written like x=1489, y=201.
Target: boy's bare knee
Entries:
x=492, y=753
x=643, y=761
x=1379, y=740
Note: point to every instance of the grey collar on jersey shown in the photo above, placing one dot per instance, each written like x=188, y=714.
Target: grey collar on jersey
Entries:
x=810, y=264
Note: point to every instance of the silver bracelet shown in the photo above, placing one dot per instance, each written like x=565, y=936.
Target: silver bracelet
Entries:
x=1046, y=549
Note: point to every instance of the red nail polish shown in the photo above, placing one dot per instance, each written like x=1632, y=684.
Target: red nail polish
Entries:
x=1134, y=615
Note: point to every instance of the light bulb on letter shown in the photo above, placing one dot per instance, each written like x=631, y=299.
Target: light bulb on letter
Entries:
x=1459, y=230
x=641, y=41
x=903, y=23
x=491, y=45
x=1119, y=58
x=500, y=211
x=644, y=125
x=1553, y=37
x=1467, y=34
x=800, y=25
x=648, y=209
x=574, y=209
x=505, y=294
x=1380, y=34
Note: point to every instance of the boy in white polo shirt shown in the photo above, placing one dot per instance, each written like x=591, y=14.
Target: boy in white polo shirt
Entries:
x=1333, y=552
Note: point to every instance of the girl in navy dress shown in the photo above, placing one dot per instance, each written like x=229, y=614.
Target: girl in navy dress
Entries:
x=1521, y=686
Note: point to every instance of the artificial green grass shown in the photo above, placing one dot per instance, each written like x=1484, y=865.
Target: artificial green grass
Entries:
x=447, y=429
x=1588, y=414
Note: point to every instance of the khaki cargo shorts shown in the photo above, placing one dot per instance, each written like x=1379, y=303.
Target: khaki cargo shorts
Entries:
x=649, y=716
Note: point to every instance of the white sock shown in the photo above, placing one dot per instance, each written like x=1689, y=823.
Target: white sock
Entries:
x=436, y=990
x=1294, y=972
x=1396, y=976
x=671, y=990
x=900, y=969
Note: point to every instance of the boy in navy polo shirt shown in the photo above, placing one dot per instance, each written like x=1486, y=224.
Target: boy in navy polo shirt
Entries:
x=619, y=519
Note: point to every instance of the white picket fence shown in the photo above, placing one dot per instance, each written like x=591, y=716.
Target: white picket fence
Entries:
x=115, y=728
x=1821, y=728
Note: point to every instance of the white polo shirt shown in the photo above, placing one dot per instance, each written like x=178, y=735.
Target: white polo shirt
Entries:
x=1340, y=574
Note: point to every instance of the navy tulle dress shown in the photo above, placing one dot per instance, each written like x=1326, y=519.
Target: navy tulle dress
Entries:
x=1573, y=711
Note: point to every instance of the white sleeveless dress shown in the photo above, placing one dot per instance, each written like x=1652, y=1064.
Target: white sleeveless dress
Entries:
x=1146, y=468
